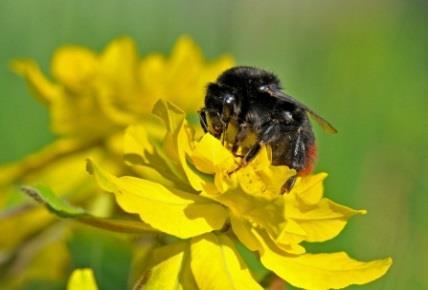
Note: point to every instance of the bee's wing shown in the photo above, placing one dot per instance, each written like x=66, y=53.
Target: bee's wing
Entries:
x=327, y=127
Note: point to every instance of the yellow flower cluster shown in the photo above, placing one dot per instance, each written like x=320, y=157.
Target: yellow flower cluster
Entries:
x=180, y=183
x=95, y=94
x=192, y=194
x=91, y=98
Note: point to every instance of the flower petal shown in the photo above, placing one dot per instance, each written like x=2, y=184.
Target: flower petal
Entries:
x=170, y=268
x=242, y=230
x=82, y=279
x=136, y=143
x=44, y=89
x=261, y=212
x=141, y=149
x=177, y=142
x=182, y=77
x=209, y=155
x=309, y=189
x=118, y=65
x=175, y=212
x=321, y=222
x=250, y=236
x=118, y=92
x=261, y=178
x=292, y=234
x=320, y=271
x=74, y=67
x=217, y=265
x=325, y=271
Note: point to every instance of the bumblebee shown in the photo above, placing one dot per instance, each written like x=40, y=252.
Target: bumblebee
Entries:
x=252, y=102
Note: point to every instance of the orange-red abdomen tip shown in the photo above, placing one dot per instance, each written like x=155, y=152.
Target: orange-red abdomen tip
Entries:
x=310, y=160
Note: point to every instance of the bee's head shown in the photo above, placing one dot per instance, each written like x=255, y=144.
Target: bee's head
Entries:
x=221, y=105
x=226, y=98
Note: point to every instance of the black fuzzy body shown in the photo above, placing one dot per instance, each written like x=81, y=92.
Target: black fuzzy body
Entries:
x=246, y=97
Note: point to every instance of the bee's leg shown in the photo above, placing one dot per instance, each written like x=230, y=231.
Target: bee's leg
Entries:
x=240, y=136
x=229, y=107
x=252, y=152
x=297, y=159
x=288, y=184
x=223, y=135
x=299, y=150
x=203, y=120
x=269, y=134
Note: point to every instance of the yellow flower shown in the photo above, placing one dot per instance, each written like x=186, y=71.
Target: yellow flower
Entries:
x=185, y=186
x=191, y=193
x=93, y=95
x=91, y=98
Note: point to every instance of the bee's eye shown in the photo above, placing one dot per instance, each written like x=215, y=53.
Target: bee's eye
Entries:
x=229, y=99
x=229, y=104
x=287, y=116
x=264, y=88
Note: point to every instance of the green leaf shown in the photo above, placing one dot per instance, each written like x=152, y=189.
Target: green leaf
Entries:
x=62, y=208
x=53, y=203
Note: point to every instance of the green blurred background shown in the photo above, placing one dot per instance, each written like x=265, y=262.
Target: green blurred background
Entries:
x=362, y=64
